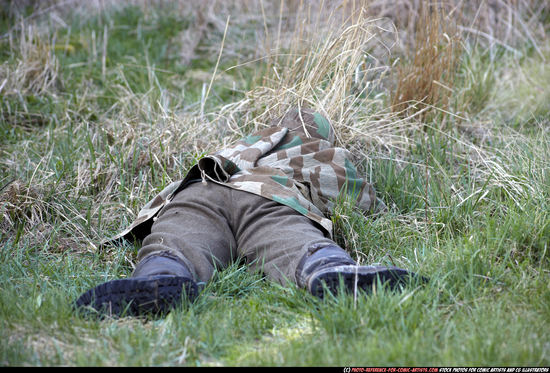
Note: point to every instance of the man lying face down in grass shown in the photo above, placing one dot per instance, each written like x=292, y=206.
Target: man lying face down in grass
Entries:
x=266, y=199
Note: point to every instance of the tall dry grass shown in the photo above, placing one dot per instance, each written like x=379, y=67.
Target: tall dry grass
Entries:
x=426, y=78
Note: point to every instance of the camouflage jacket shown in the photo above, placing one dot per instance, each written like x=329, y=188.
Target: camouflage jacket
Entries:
x=292, y=162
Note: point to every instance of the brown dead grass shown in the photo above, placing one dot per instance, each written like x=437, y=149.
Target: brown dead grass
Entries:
x=425, y=78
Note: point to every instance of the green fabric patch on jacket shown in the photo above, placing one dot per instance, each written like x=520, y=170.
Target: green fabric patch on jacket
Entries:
x=323, y=126
x=291, y=202
x=251, y=139
x=280, y=179
x=296, y=141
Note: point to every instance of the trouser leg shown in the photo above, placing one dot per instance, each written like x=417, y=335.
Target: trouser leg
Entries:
x=194, y=227
x=274, y=238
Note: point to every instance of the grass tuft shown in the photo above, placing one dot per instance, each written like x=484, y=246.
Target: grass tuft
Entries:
x=426, y=80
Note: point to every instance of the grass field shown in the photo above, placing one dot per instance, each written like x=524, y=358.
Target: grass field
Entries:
x=446, y=109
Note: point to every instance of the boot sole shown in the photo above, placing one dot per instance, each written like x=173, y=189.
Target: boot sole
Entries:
x=138, y=296
x=352, y=278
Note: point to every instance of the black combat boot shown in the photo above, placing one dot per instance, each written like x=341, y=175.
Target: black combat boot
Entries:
x=331, y=268
x=157, y=285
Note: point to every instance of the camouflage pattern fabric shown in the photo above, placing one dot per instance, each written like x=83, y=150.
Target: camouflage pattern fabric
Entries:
x=292, y=162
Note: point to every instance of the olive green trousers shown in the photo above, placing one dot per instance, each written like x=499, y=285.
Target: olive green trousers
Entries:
x=209, y=226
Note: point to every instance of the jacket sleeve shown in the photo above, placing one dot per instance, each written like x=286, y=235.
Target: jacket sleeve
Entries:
x=245, y=153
